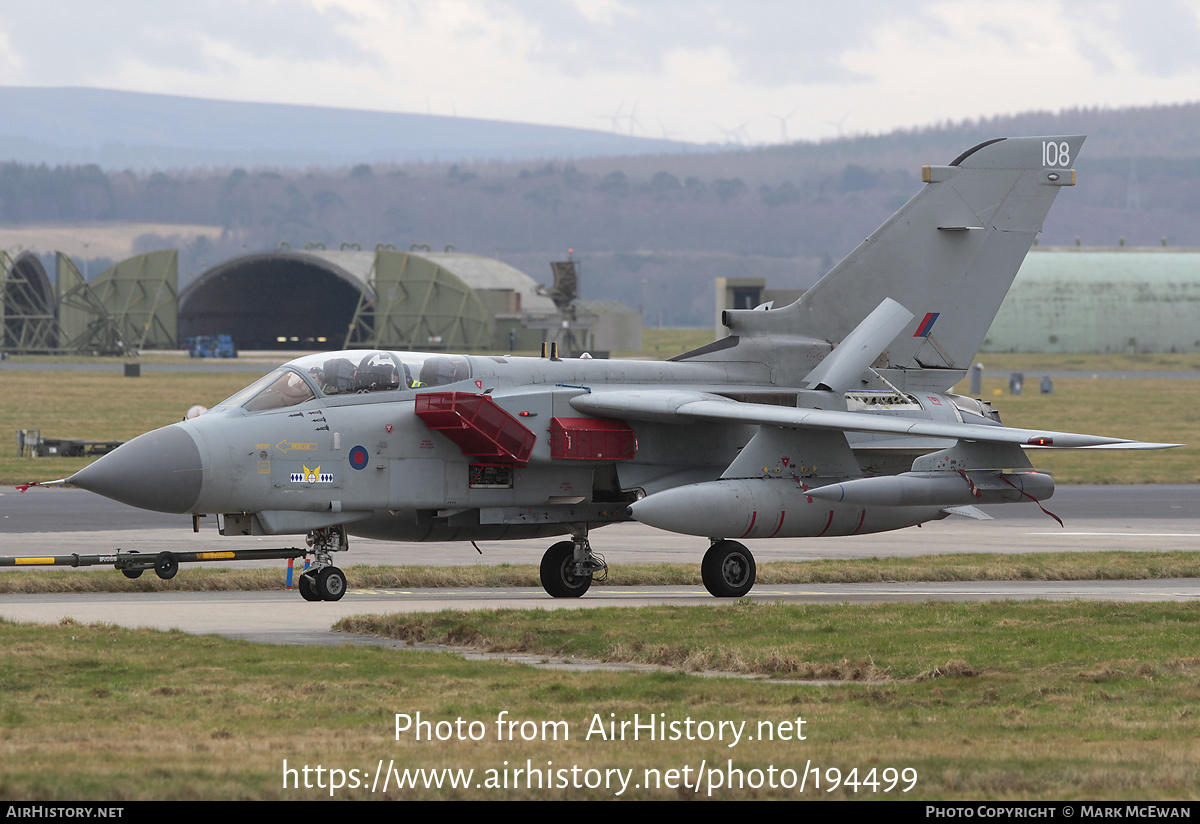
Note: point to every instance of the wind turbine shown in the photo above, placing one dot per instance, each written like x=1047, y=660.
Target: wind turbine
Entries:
x=633, y=121
x=615, y=118
x=738, y=134
x=838, y=124
x=783, y=121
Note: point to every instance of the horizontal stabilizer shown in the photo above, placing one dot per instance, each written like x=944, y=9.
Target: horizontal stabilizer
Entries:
x=841, y=368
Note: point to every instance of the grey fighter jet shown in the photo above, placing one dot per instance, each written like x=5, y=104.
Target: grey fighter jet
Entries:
x=831, y=416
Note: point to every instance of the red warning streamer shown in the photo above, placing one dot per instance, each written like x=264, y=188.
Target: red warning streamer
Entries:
x=1035, y=500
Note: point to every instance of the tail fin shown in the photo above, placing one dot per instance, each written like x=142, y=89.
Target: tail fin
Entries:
x=949, y=255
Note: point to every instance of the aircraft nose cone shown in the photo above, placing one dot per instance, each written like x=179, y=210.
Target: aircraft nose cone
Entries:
x=160, y=470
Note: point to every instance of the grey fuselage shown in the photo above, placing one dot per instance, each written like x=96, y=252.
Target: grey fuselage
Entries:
x=365, y=459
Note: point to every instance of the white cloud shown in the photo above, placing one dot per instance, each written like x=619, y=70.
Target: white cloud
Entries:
x=692, y=69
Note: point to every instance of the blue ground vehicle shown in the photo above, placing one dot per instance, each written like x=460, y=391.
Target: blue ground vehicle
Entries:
x=210, y=346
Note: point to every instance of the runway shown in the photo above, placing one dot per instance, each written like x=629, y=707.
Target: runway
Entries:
x=53, y=521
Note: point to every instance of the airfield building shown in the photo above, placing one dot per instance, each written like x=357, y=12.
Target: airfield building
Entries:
x=310, y=299
x=1101, y=299
x=1069, y=299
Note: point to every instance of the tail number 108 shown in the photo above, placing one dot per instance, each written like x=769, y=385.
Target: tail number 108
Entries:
x=1056, y=154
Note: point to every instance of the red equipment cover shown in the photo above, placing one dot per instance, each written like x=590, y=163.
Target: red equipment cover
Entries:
x=479, y=427
x=592, y=439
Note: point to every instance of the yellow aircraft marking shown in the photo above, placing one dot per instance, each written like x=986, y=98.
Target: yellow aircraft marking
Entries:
x=284, y=446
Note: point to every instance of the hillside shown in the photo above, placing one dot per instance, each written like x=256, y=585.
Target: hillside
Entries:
x=652, y=230
x=153, y=132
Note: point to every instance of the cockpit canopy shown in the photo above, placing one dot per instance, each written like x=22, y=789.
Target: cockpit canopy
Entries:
x=346, y=373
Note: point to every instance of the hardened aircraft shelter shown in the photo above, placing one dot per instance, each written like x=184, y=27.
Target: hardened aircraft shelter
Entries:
x=315, y=299
x=128, y=307
x=297, y=299
x=1106, y=299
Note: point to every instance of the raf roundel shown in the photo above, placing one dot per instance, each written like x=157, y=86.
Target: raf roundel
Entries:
x=359, y=457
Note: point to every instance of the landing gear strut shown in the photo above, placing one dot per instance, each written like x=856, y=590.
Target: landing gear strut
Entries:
x=323, y=581
x=728, y=569
x=569, y=567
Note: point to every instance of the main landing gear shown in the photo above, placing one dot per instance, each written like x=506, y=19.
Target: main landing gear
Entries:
x=323, y=581
x=569, y=567
x=728, y=569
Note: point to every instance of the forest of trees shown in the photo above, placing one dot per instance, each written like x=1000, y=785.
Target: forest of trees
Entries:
x=650, y=230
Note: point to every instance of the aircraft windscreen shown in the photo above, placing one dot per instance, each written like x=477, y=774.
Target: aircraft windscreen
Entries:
x=349, y=373
x=359, y=371
x=279, y=389
x=288, y=389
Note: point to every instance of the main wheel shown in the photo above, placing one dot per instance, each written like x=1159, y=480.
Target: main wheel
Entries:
x=558, y=572
x=331, y=584
x=728, y=569
x=166, y=565
x=307, y=587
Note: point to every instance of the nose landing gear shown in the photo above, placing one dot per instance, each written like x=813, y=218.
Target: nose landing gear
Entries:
x=323, y=581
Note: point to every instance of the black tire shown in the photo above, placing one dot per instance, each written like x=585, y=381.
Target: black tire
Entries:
x=728, y=569
x=307, y=587
x=558, y=572
x=331, y=584
x=132, y=573
x=166, y=565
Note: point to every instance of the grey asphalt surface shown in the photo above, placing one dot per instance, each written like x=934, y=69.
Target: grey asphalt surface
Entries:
x=61, y=521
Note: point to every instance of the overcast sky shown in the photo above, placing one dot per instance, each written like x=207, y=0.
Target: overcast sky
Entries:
x=752, y=71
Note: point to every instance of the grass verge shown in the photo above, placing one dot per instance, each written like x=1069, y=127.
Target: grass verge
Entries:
x=1040, y=566
x=1016, y=701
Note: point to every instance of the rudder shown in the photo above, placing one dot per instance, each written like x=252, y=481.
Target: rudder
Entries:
x=949, y=255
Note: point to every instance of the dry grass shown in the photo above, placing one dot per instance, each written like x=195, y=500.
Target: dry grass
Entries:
x=107, y=405
x=98, y=406
x=1049, y=566
x=1161, y=411
x=1006, y=701
x=111, y=240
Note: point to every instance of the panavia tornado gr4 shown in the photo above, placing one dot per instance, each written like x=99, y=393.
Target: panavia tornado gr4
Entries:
x=831, y=416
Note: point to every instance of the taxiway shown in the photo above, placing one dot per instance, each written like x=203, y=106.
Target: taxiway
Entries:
x=59, y=521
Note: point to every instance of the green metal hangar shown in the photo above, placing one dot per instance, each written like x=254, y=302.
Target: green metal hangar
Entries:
x=130, y=306
x=317, y=299
x=1101, y=299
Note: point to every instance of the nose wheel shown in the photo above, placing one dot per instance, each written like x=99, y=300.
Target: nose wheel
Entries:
x=325, y=584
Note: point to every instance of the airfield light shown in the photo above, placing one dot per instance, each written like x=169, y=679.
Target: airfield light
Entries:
x=281, y=339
